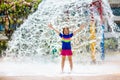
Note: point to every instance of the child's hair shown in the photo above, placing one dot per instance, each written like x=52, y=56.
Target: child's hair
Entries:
x=65, y=28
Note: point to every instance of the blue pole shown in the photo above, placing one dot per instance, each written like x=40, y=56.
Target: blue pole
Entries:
x=102, y=44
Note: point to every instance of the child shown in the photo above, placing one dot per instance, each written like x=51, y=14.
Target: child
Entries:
x=66, y=44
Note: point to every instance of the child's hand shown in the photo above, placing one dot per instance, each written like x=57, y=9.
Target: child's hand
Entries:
x=83, y=25
x=50, y=26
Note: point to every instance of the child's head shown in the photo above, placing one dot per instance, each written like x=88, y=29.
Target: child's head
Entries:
x=66, y=30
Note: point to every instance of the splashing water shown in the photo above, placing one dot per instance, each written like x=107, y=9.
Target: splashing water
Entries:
x=36, y=41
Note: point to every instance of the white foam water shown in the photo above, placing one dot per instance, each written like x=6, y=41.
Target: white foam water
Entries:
x=34, y=39
x=16, y=69
x=109, y=66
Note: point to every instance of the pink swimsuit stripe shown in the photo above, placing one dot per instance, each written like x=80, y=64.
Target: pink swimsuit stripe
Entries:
x=66, y=38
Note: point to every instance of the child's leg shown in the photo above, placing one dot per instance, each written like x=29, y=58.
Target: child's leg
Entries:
x=63, y=62
x=70, y=61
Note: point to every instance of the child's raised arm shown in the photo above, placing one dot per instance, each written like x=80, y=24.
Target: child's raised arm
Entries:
x=50, y=26
x=78, y=30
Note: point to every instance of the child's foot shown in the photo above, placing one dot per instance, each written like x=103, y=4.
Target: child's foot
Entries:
x=62, y=72
x=70, y=72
